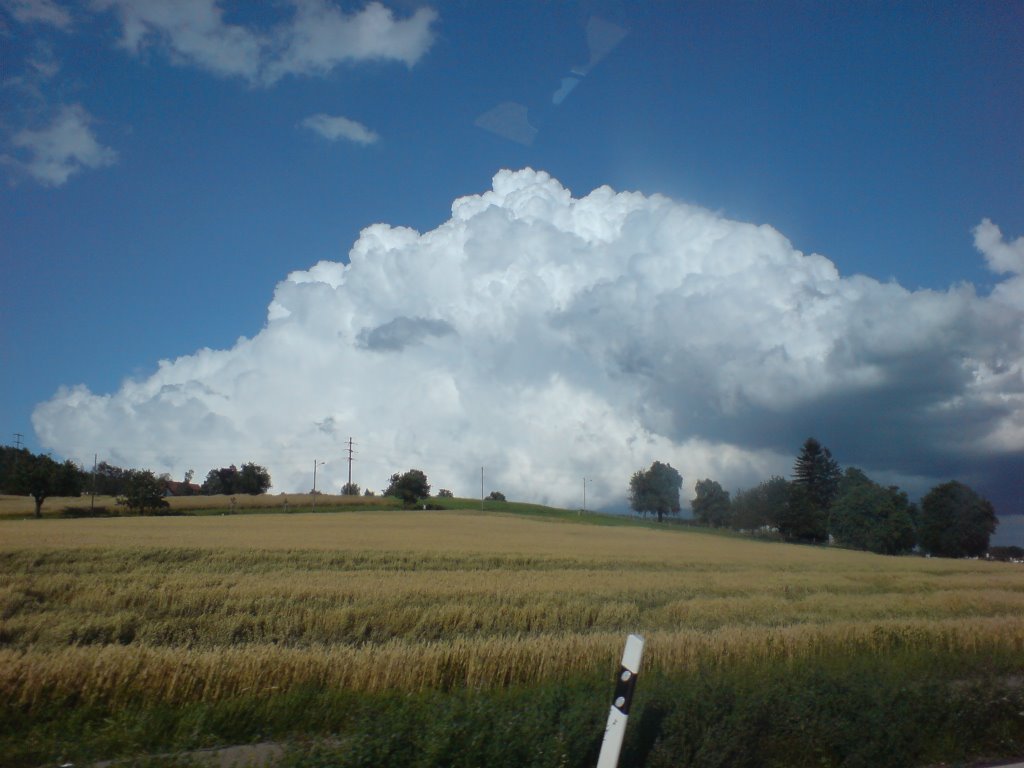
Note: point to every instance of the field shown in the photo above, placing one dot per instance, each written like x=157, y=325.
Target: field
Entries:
x=12, y=507
x=465, y=638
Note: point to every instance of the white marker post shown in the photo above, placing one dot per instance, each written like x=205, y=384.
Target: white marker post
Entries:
x=624, y=685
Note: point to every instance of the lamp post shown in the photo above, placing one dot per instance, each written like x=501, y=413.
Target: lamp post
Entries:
x=315, y=463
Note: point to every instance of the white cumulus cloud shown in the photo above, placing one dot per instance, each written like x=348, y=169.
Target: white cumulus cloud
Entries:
x=320, y=37
x=548, y=338
x=313, y=41
x=334, y=127
x=64, y=147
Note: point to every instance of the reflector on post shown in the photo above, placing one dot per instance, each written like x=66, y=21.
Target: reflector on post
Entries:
x=625, y=683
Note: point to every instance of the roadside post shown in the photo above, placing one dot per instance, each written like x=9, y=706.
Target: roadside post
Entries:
x=625, y=683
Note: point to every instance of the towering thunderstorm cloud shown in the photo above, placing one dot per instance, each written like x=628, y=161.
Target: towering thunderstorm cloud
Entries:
x=548, y=338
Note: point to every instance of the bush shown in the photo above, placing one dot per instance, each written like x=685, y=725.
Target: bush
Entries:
x=496, y=496
x=89, y=512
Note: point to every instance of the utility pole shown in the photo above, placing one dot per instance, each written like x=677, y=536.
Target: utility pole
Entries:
x=350, y=462
x=92, y=504
x=481, y=489
x=315, y=462
x=584, y=494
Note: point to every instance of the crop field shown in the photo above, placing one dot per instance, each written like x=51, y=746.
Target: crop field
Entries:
x=466, y=638
x=64, y=506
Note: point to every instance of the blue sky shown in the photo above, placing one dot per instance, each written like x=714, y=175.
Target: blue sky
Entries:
x=165, y=171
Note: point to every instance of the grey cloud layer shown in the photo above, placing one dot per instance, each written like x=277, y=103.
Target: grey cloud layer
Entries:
x=550, y=338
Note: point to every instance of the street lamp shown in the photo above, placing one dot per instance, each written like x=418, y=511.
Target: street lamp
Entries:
x=315, y=463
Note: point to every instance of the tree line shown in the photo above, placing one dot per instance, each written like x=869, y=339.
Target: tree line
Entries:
x=822, y=503
x=24, y=473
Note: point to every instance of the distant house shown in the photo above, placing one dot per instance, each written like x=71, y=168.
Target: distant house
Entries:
x=175, y=488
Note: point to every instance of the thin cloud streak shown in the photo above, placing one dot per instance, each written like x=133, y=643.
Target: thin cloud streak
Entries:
x=335, y=127
x=548, y=337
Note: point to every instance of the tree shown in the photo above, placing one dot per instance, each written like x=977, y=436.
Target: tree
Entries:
x=866, y=515
x=444, y=493
x=711, y=505
x=801, y=519
x=656, y=490
x=219, y=481
x=818, y=472
x=760, y=506
x=109, y=480
x=251, y=479
x=41, y=477
x=350, y=489
x=144, y=493
x=956, y=521
x=496, y=496
x=409, y=487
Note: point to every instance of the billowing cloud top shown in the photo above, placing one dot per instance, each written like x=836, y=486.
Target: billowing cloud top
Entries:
x=548, y=339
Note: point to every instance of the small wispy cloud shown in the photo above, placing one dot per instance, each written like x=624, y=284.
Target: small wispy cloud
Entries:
x=54, y=153
x=316, y=38
x=335, y=127
x=38, y=12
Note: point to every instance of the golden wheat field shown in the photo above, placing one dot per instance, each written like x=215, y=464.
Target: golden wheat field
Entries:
x=176, y=609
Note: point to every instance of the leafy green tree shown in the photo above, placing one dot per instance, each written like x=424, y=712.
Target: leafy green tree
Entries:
x=866, y=515
x=40, y=477
x=801, y=519
x=496, y=496
x=144, y=493
x=817, y=472
x=410, y=487
x=219, y=481
x=760, y=506
x=252, y=479
x=350, y=489
x=711, y=505
x=109, y=480
x=956, y=521
x=444, y=493
x=656, y=490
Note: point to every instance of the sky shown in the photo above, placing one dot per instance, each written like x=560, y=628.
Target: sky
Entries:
x=548, y=243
